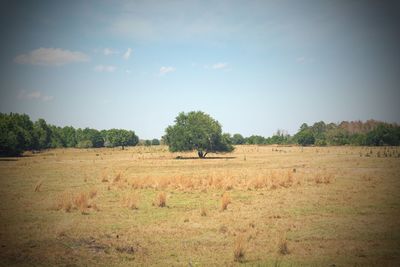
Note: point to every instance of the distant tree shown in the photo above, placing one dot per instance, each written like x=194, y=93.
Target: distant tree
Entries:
x=89, y=138
x=255, y=140
x=305, y=136
x=155, y=142
x=384, y=134
x=56, y=137
x=42, y=133
x=147, y=143
x=120, y=137
x=16, y=134
x=69, y=136
x=238, y=139
x=280, y=137
x=197, y=131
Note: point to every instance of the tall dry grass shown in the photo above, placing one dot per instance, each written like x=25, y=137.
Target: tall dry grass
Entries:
x=239, y=249
x=225, y=201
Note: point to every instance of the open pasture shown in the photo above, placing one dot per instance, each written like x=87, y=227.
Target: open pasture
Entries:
x=260, y=205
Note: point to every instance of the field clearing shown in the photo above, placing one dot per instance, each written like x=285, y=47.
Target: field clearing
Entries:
x=330, y=206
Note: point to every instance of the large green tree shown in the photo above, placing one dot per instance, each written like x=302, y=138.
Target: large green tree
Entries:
x=120, y=137
x=198, y=131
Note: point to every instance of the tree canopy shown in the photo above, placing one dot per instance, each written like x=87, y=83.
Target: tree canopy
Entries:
x=18, y=134
x=119, y=137
x=197, y=130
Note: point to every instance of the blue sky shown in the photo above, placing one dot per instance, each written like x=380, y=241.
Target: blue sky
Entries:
x=255, y=66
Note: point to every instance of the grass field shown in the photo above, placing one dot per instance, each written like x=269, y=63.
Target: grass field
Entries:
x=260, y=205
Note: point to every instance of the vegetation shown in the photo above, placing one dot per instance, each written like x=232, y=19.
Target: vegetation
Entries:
x=191, y=131
x=18, y=134
x=197, y=131
x=369, y=133
x=119, y=137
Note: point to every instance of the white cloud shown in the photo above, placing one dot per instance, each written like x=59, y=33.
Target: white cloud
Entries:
x=34, y=95
x=105, y=68
x=219, y=65
x=128, y=53
x=165, y=70
x=51, y=57
x=109, y=52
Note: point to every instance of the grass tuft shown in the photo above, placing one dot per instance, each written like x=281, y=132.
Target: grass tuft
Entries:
x=161, y=200
x=239, y=249
x=81, y=202
x=282, y=246
x=203, y=211
x=131, y=201
x=38, y=186
x=225, y=201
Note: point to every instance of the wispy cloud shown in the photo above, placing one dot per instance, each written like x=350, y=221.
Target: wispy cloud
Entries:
x=34, y=95
x=128, y=53
x=105, y=68
x=110, y=51
x=219, y=65
x=51, y=57
x=165, y=70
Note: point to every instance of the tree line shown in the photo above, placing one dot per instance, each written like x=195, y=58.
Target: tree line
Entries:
x=18, y=133
x=358, y=133
x=192, y=131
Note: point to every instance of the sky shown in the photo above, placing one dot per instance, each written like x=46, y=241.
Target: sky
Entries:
x=255, y=66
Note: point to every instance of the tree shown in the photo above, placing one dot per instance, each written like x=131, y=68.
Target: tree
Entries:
x=238, y=139
x=89, y=138
x=16, y=134
x=197, y=131
x=69, y=136
x=56, y=137
x=42, y=134
x=255, y=140
x=120, y=137
x=305, y=135
x=155, y=142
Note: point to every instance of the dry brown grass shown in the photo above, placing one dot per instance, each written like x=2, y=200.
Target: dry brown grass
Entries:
x=323, y=178
x=160, y=200
x=225, y=201
x=282, y=245
x=131, y=201
x=68, y=201
x=64, y=202
x=38, y=185
x=117, y=178
x=203, y=211
x=81, y=202
x=239, y=249
x=93, y=193
x=333, y=201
